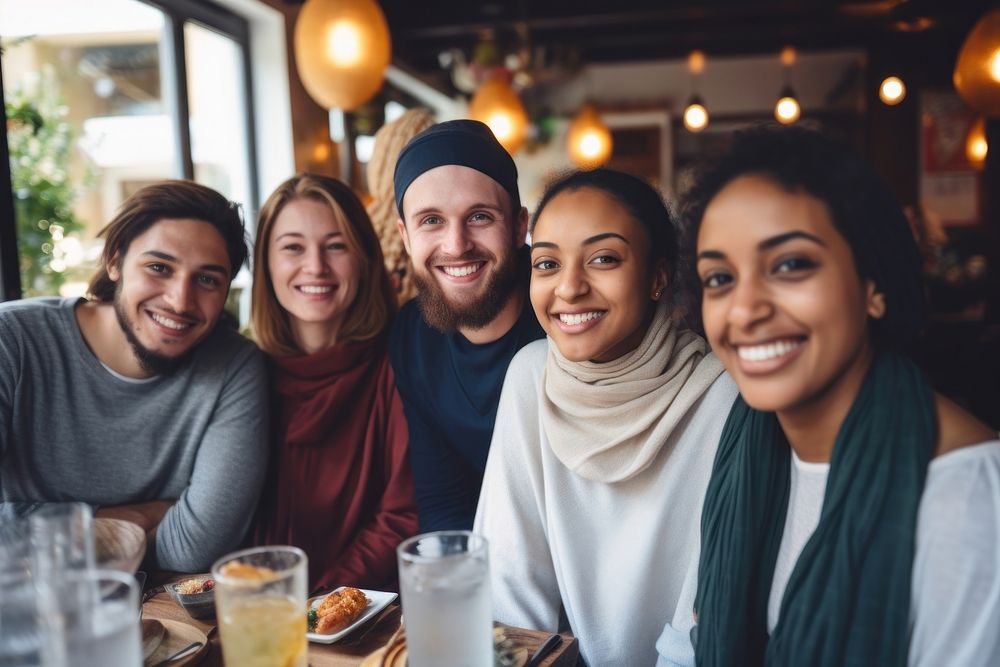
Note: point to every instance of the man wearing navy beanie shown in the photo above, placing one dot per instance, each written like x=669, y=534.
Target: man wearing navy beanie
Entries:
x=464, y=228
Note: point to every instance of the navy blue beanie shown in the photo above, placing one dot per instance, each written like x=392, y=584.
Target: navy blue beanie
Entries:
x=467, y=143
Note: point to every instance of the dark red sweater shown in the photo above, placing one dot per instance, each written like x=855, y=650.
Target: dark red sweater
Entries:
x=339, y=484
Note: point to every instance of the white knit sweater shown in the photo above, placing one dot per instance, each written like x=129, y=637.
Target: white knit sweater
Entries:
x=617, y=561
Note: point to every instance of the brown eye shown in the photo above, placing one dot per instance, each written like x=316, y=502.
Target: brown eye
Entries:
x=793, y=264
x=716, y=279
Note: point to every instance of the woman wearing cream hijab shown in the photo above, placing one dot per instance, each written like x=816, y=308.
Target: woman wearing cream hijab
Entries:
x=605, y=433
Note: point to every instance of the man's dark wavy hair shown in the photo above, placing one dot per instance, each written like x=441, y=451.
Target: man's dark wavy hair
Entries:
x=162, y=201
x=859, y=202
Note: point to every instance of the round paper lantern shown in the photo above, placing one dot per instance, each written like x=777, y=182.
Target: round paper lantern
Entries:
x=341, y=50
x=977, y=72
x=497, y=105
x=589, y=139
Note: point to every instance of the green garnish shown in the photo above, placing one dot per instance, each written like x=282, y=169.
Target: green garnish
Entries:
x=311, y=618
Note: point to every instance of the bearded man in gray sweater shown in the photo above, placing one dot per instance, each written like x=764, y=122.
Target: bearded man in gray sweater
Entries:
x=133, y=400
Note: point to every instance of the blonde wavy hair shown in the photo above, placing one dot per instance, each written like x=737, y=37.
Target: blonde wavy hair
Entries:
x=389, y=141
x=375, y=304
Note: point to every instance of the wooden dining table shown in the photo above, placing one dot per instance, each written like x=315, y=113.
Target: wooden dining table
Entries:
x=353, y=649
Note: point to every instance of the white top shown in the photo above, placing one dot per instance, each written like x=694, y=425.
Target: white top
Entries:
x=614, y=560
x=805, y=504
x=955, y=610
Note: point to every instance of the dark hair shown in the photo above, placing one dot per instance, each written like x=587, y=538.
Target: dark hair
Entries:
x=162, y=201
x=375, y=303
x=860, y=204
x=640, y=199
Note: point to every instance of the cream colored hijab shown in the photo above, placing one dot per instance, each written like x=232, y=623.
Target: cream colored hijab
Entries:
x=608, y=421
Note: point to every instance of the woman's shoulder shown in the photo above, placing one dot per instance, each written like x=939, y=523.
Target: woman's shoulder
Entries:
x=963, y=486
x=529, y=360
x=956, y=584
x=957, y=428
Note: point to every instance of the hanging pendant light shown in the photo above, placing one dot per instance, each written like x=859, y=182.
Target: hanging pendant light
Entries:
x=589, y=140
x=342, y=49
x=497, y=105
x=787, y=109
x=977, y=71
x=695, y=115
x=892, y=91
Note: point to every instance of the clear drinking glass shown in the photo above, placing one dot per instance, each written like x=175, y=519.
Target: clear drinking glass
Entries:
x=445, y=587
x=98, y=610
x=30, y=634
x=62, y=538
x=15, y=543
x=260, y=604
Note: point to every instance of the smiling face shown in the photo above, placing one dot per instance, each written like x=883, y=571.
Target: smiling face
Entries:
x=314, y=272
x=592, y=287
x=784, y=306
x=171, y=287
x=462, y=237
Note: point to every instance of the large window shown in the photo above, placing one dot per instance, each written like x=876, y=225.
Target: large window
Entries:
x=101, y=98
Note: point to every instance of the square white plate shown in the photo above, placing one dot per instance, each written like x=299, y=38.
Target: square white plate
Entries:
x=377, y=601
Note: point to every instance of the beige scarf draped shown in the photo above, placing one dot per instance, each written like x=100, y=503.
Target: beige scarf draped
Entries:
x=608, y=421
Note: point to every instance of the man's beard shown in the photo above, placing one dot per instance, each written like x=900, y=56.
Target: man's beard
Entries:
x=446, y=316
x=150, y=361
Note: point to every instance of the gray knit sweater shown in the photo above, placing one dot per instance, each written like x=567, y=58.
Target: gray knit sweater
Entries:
x=70, y=430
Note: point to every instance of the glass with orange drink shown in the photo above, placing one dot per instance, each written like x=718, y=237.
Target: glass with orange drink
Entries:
x=260, y=601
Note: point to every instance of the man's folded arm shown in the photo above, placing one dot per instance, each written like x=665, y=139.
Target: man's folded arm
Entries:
x=212, y=515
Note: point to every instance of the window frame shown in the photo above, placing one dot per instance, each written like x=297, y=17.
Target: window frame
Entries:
x=173, y=68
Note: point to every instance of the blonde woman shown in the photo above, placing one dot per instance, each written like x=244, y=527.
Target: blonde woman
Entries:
x=339, y=483
x=389, y=141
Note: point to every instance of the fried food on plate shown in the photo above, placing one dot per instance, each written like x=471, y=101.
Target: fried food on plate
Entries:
x=339, y=609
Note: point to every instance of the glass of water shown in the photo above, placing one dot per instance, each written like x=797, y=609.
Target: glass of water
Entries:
x=62, y=538
x=98, y=610
x=30, y=633
x=445, y=588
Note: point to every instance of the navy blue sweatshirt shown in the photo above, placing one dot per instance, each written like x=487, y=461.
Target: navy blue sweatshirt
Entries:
x=450, y=390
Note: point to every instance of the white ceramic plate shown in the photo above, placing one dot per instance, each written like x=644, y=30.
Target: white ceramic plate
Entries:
x=377, y=601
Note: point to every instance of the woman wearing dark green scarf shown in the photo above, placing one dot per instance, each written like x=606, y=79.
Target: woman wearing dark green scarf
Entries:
x=853, y=515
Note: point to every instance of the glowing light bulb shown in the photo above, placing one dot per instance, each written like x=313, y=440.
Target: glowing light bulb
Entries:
x=591, y=145
x=588, y=139
x=497, y=105
x=995, y=66
x=342, y=50
x=892, y=91
x=501, y=125
x=787, y=110
x=695, y=117
x=696, y=62
x=976, y=146
x=344, y=44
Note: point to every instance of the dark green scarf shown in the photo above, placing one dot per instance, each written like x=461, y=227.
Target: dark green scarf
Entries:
x=847, y=601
